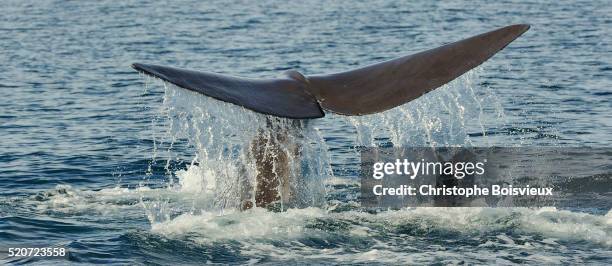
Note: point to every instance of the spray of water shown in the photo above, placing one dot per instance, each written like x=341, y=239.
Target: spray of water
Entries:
x=220, y=137
x=223, y=138
x=447, y=116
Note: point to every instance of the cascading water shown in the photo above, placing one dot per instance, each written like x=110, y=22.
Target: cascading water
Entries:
x=218, y=140
x=446, y=116
x=223, y=166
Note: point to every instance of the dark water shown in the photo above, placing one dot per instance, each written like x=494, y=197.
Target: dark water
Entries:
x=85, y=161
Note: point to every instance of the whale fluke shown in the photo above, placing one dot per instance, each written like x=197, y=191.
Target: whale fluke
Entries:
x=382, y=86
x=371, y=89
x=284, y=97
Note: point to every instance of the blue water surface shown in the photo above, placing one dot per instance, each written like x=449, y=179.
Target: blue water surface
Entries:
x=79, y=167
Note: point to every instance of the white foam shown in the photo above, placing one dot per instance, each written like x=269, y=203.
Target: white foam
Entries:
x=542, y=233
x=105, y=202
x=256, y=228
x=196, y=179
x=554, y=224
x=236, y=225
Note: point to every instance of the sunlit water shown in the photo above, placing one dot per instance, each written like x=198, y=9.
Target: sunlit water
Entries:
x=121, y=168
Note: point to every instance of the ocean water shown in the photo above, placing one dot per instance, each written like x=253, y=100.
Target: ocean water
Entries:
x=121, y=168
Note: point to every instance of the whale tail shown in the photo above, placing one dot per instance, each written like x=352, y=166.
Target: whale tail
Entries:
x=370, y=89
x=366, y=90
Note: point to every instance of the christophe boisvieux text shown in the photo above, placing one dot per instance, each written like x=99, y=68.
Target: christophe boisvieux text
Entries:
x=458, y=169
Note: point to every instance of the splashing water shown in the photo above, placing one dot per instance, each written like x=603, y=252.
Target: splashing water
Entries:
x=222, y=169
x=77, y=137
x=223, y=166
x=205, y=147
x=443, y=117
